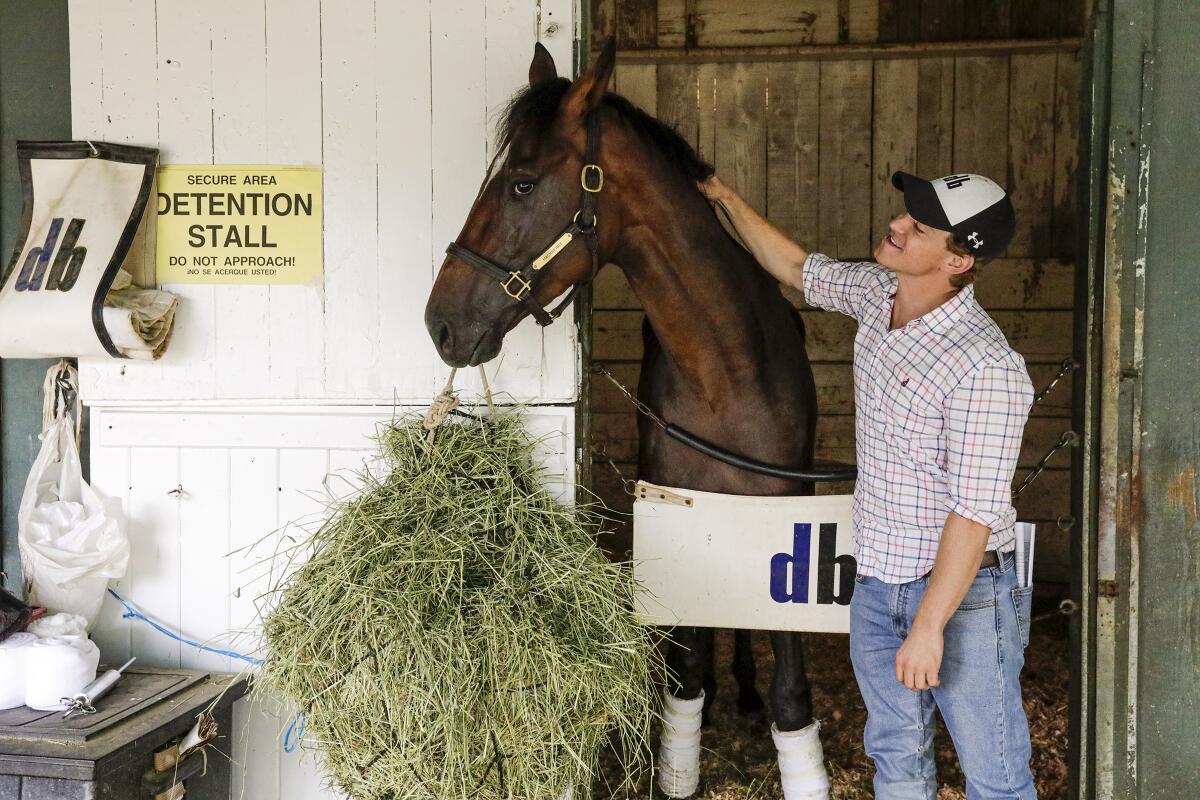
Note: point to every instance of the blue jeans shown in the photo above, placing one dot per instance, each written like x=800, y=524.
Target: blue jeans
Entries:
x=979, y=696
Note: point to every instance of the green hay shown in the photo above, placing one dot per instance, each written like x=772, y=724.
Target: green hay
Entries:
x=456, y=633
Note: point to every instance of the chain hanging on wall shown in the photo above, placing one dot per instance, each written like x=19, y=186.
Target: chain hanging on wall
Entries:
x=1068, y=437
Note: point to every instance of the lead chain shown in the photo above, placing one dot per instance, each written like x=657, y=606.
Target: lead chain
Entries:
x=1067, y=438
x=601, y=452
x=1069, y=365
x=600, y=369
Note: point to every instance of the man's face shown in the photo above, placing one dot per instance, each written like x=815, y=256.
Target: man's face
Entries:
x=911, y=248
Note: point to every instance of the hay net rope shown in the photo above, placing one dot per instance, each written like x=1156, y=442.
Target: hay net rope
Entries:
x=455, y=632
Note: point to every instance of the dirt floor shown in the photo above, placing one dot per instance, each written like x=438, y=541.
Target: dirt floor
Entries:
x=738, y=759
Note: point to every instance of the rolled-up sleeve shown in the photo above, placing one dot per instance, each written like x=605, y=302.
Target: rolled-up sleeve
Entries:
x=985, y=422
x=842, y=286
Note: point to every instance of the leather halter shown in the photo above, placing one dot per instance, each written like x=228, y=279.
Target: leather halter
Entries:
x=518, y=283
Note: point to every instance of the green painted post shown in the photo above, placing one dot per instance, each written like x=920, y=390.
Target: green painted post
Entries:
x=35, y=103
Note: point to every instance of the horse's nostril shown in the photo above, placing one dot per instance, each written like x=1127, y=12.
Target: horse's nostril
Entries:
x=441, y=336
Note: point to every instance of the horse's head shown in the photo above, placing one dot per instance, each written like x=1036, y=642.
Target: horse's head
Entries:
x=531, y=235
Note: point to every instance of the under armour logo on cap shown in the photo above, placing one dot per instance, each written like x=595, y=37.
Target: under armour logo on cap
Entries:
x=972, y=207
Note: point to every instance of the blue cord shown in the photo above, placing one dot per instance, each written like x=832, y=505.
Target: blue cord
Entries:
x=290, y=744
x=130, y=613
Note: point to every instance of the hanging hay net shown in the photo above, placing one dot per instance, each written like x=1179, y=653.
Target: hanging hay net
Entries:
x=455, y=632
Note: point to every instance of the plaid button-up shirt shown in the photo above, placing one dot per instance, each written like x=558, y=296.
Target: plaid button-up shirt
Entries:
x=940, y=409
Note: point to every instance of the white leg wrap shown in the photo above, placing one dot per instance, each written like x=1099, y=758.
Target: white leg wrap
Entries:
x=569, y=794
x=801, y=763
x=679, y=748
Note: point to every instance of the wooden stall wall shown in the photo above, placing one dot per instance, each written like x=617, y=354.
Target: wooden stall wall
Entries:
x=808, y=125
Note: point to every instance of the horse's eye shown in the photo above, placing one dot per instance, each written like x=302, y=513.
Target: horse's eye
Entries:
x=522, y=187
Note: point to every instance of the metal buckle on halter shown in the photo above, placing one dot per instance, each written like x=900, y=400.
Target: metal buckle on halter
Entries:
x=585, y=228
x=593, y=169
x=525, y=286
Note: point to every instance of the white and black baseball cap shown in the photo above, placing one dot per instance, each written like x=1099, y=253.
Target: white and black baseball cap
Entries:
x=973, y=207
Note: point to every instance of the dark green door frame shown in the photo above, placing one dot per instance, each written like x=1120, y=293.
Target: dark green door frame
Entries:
x=1138, y=686
x=35, y=103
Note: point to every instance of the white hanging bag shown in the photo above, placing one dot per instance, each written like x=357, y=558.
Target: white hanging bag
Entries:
x=70, y=538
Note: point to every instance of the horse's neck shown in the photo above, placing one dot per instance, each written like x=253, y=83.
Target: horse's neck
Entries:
x=707, y=300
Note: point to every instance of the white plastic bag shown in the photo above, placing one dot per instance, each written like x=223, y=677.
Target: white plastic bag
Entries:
x=71, y=540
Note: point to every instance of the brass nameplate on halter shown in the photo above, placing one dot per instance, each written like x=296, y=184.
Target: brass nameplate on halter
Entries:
x=553, y=250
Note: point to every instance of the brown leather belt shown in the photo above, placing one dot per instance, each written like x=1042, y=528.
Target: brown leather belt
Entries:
x=990, y=559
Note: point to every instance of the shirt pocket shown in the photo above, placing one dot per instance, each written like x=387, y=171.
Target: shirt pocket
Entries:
x=914, y=420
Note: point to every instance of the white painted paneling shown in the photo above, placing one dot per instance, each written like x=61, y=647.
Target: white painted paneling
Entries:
x=396, y=101
x=210, y=493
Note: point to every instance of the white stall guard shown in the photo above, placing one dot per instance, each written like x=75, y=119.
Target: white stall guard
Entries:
x=731, y=561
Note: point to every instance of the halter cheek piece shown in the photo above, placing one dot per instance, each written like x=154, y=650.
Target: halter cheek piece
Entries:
x=518, y=283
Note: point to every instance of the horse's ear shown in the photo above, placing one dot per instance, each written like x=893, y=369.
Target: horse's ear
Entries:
x=588, y=89
x=541, y=69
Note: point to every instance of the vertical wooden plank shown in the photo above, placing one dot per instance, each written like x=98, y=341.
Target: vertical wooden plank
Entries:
x=253, y=518
x=677, y=101
x=741, y=130
x=988, y=19
x=351, y=191
x=894, y=136
x=637, y=24
x=862, y=20
x=793, y=112
x=604, y=22
x=302, y=500
x=87, y=90
x=296, y=344
x=1072, y=20
x=154, y=563
x=638, y=83
x=403, y=147
x=672, y=23
x=935, y=116
x=707, y=81
x=558, y=354
x=203, y=545
x=899, y=20
x=981, y=116
x=110, y=477
x=845, y=168
x=1035, y=19
x=1066, y=154
x=239, y=134
x=942, y=20
x=1031, y=153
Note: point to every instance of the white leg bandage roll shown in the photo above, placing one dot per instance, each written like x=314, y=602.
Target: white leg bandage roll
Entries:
x=679, y=749
x=801, y=763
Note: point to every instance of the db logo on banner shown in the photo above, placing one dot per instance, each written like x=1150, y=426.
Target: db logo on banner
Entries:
x=731, y=561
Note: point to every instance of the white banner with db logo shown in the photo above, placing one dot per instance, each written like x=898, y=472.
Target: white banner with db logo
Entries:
x=82, y=206
x=732, y=561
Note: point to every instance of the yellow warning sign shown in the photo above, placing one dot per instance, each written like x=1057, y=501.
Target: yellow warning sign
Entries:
x=239, y=224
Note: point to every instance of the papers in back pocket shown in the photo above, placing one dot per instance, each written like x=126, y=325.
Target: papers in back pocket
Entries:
x=1024, y=552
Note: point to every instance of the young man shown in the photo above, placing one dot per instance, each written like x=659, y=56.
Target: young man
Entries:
x=941, y=401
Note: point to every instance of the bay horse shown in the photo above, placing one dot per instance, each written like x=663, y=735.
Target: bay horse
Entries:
x=724, y=350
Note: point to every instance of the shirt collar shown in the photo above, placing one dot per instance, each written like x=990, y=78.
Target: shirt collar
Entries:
x=945, y=315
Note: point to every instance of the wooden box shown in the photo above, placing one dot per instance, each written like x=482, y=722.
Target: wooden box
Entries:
x=111, y=755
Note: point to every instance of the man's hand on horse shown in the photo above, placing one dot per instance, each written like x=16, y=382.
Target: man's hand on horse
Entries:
x=920, y=658
x=713, y=188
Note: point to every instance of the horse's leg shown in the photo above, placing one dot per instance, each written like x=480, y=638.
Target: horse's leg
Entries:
x=796, y=735
x=745, y=673
x=683, y=702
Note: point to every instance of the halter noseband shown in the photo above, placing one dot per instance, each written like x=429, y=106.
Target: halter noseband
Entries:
x=518, y=284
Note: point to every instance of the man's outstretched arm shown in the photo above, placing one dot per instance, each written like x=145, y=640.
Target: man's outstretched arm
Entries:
x=778, y=254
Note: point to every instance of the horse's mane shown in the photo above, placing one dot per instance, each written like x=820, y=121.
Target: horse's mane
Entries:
x=536, y=106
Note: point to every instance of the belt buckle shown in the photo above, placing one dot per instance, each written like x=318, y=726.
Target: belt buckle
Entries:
x=593, y=171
